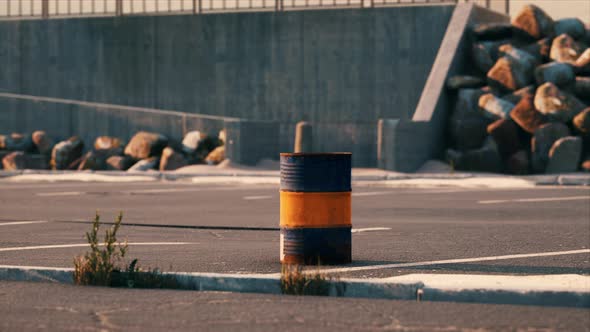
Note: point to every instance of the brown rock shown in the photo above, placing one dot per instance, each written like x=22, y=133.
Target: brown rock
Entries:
x=516, y=96
x=564, y=156
x=518, y=163
x=582, y=122
x=493, y=107
x=191, y=140
x=540, y=49
x=493, y=31
x=485, y=54
x=571, y=26
x=107, y=143
x=557, y=104
x=464, y=82
x=565, y=49
x=94, y=160
x=18, y=160
x=119, y=163
x=534, y=21
x=558, y=73
x=42, y=142
x=16, y=142
x=526, y=116
x=582, y=64
x=171, y=160
x=216, y=156
x=585, y=165
x=505, y=134
x=542, y=142
x=144, y=145
x=66, y=152
x=512, y=72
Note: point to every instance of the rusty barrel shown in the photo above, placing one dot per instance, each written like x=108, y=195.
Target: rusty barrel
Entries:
x=315, y=216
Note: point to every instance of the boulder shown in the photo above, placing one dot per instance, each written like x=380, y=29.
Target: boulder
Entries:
x=505, y=134
x=485, y=159
x=540, y=49
x=565, y=49
x=119, y=163
x=526, y=116
x=145, y=165
x=16, y=142
x=518, y=163
x=222, y=136
x=570, y=26
x=66, y=152
x=534, y=21
x=581, y=122
x=206, y=146
x=144, y=145
x=43, y=143
x=465, y=82
x=191, y=140
x=216, y=156
x=565, y=154
x=582, y=88
x=582, y=64
x=467, y=125
x=542, y=142
x=585, y=166
x=485, y=54
x=558, y=105
x=558, y=73
x=493, y=107
x=516, y=96
x=493, y=31
x=94, y=160
x=512, y=72
x=107, y=143
x=18, y=160
x=171, y=160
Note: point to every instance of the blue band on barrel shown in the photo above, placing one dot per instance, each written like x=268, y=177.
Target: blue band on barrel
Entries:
x=329, y=172
x=316, y=245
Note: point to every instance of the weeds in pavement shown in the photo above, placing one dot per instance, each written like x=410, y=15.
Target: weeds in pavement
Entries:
x=294, y=281
x=106, y=266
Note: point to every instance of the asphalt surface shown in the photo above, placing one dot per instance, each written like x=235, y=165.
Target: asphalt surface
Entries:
x=234, y=228
x=43, y=306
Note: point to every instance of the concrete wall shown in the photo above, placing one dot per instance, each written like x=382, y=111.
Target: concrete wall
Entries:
x=340, y=69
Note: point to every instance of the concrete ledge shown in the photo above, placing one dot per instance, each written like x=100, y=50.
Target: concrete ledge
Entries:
x=553, y=290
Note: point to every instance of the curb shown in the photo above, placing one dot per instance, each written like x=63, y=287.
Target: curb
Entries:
x=408, y=287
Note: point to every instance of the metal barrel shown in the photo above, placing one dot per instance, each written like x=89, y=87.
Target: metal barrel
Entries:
x=316, y=172
x=315, y=212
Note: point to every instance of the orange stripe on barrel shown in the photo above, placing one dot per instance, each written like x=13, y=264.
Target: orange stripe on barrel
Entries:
x=316, y=210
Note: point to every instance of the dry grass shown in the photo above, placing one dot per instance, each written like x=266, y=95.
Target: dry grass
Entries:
x=296, y=282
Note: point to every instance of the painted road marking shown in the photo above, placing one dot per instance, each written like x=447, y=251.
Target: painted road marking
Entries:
x=76, y=245
x=253, y=198
x=370, y=229
x=63, y=193
x=372, y=193
x=533, y=200
x=453, y=261
x=23, y=222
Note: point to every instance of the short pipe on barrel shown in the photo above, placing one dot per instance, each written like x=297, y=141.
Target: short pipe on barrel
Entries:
x=303, y=137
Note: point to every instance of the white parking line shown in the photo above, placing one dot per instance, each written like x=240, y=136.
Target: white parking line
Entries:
x=370, y=229
x=253, y=198
x=76, y=245
x=63, y=193
x=533, y=200
x=372, y=193
x=23, y=222
x=452, y=261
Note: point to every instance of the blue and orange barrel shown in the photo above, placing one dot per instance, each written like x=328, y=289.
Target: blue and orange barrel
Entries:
x=316, y=208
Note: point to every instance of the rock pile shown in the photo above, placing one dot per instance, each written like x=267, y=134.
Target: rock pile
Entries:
x=523, y=107
x=145, y=151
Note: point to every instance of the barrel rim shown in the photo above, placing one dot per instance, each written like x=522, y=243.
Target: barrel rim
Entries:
x=305, y=154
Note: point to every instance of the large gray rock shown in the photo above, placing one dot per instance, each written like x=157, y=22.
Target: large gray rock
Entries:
x=582, y=64
x=171, y=160
x=485, y=159
x=16, y=142
x=565, y=49
x=485, y=54
x=571, y=26
x=467, y=125
x=565, y=154
x=534, y=21
x=145, y=165
x=557, y=104
x=512, y=71
x=582, y=88
x=543, y=140
x=581, y=122
x=464, y=82
x=66, y=152
x=526, y=116
x=516, y=96
x=505, y=134
x=190, y=142
x=144, y=145
x=558, y=73
x=540, y=50
x=119, y=163
x=18, y=160
x=493, y=107
x=518, y=163
x=94, y=160
x=493, y=31
x=42, y=142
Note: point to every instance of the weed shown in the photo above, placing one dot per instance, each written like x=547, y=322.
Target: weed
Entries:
x=296, y=282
